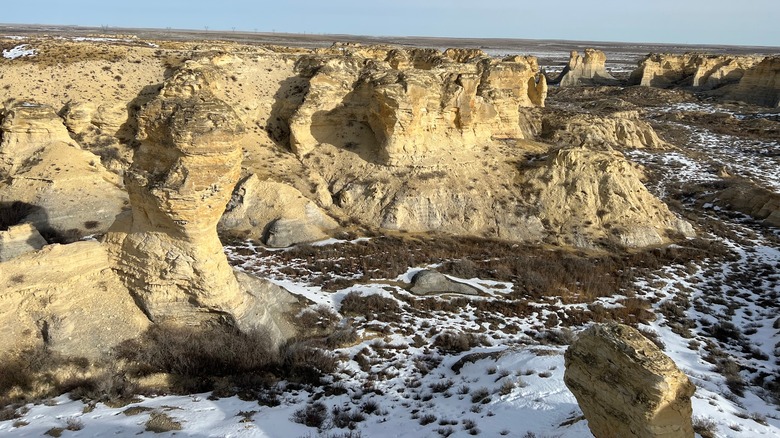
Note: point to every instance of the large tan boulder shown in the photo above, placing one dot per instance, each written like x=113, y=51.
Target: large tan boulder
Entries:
x=74, y=194
x=761, y=84
x=589, y=69
x=168, y=253
x=276, y=213
x=587, y=196
x=703, y=71
x=626, y=386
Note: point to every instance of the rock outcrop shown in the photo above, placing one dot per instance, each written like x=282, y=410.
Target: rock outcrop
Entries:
x=585, y=70
x=760, y=85
x=415, y=105
x=42, y=166
x=691, y=70
x=758, y=202
x=586, y=196
x=626, y=386
x=275, y=213
x=168, y=253
x=621, y=129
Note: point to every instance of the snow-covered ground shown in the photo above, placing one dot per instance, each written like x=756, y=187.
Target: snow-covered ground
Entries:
x=712, y=315
x=20, y=51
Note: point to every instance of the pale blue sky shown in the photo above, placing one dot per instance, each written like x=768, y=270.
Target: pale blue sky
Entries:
x=745, y=22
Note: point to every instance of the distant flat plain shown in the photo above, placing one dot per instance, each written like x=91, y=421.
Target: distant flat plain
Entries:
x=552, y=54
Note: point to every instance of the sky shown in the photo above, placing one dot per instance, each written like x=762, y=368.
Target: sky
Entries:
x=717, y=22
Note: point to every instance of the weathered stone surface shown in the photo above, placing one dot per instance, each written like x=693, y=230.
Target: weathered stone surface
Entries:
x=68, y=298
x=74, y=193
x=586, y=196
x=626, y=386
x=586, y=70
x=427, y=282
x=183, y=173
x=691, y=70
x=761, y=84
x=18, y=240
x=277, y=213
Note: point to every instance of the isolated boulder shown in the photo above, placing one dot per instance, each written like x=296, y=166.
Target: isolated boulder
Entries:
x=427, y=282
x=626, y=386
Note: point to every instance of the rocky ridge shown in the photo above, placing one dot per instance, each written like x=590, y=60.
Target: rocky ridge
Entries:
x=696, y=70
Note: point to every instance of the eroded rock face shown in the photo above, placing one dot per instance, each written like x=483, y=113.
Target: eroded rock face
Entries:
x=621, y=129
x=585, y=196
x=68, y=298
x=18, y=240
x=275, y=213
x=761, y=84
x=73, y=193
x=757, y=202
x=626, y=386
x=414, y=105
x=691, y=70
x=182, y=177
x=589, y=69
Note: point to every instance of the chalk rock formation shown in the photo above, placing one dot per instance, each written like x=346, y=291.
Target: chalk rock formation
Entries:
x=274, y=212
x=757, y=202
x=586, y=196
x=42, y=166
x=68, y=298
x=586, y=70
x=621, y=129
x=691, y=70
x=761, y=84
x=626, y=386
x=182, y=177
x=416, y=105
x=104, y=129
x=18, y=240
x=427, y=282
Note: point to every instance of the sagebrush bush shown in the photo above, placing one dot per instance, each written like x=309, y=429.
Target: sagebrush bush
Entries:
x=451, y=342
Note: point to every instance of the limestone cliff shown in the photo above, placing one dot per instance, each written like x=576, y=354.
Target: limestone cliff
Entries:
x=417, y=105
x=589, y=69
x=626, y=386
x=758, y=202
x=587, y=196
x=692, y=70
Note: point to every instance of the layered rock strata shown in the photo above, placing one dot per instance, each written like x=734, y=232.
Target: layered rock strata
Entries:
x=626, y=386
